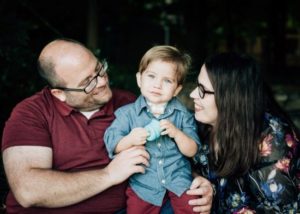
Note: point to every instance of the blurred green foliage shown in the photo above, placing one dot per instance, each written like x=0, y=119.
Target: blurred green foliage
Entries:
x=18, y=74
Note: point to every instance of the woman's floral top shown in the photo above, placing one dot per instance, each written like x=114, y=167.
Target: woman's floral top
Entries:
x=273, y=186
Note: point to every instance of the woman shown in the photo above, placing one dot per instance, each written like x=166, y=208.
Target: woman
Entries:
x=251, y=148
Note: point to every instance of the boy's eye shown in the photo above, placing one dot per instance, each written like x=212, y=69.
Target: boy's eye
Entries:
x=168, y=81
x=151, y=75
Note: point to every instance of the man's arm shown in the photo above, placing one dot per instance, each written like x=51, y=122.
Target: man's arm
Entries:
x=34, y=183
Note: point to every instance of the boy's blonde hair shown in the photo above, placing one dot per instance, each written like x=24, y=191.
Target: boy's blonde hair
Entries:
x=166, y=53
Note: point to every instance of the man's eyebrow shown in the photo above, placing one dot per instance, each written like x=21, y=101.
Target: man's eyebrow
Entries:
x=87, y=79
x=97, y=66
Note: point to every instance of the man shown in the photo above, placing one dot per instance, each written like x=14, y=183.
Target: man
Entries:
x=53, y=150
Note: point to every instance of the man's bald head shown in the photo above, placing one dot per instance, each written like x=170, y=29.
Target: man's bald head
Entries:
x=58, y=54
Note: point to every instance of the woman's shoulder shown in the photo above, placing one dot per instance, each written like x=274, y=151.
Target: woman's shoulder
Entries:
x=278, y=138
x=275, y=177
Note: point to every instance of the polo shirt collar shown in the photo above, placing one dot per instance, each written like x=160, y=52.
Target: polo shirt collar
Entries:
x=62, y=107
x=66, y=110
x=107, y=109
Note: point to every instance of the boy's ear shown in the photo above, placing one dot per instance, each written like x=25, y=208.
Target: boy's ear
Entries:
x=59, y=94
x=178, y=89
x=138, y=78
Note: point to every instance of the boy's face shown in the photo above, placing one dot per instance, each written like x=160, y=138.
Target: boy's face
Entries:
x=158, y=83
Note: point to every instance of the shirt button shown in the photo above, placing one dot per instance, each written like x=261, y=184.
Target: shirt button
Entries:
x=163, y=181
x=159, y=145
x=160, y=162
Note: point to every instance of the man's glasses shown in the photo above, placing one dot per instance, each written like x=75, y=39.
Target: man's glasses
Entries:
x=202, y=91
x=92, y=83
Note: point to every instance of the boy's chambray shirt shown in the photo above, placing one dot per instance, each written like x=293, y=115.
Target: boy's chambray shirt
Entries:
x=169, y=169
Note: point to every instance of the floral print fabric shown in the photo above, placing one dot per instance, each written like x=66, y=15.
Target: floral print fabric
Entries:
x=272, y=186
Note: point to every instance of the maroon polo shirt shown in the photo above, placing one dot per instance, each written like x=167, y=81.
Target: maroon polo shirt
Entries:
x=77, y=144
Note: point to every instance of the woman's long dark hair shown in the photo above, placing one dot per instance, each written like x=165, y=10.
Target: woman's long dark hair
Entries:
x=239, y=96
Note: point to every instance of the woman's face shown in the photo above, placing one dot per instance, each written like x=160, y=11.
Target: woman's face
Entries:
x=204, y=100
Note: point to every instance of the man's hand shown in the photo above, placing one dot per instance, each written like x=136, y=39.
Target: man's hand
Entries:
x=201, y=187
x=128, y=162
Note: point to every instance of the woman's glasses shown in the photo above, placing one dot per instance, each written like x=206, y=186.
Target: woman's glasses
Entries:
x=202, y=91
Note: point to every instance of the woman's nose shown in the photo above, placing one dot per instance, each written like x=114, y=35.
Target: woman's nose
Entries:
x=194, y=93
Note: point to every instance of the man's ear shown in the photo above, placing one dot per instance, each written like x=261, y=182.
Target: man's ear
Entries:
x=178, y=89
x=59, y=94
x=138, y=78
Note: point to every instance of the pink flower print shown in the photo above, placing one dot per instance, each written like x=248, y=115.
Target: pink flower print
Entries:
x=290, y=141
x=245, y=211
x=265, y=146
x=283, y=164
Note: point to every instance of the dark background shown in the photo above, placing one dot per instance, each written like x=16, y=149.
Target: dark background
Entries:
x=122, y=30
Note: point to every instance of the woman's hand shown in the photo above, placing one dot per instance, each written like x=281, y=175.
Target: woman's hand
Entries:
x=203, y=188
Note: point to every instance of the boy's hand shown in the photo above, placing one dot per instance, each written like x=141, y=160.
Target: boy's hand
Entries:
x=138, y=136
x=168, y=128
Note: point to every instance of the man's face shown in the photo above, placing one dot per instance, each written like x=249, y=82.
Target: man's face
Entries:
x=78, y=73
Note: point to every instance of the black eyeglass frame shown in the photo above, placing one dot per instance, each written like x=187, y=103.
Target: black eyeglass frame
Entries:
x=101, y=73
x=202, y=91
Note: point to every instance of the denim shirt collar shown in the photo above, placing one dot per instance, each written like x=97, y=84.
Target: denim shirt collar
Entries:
x=173, y=104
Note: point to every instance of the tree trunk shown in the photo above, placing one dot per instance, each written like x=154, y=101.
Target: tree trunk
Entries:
x=92, y=25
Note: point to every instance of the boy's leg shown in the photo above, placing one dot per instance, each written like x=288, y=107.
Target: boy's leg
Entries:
x=166, y=207
x=135, y=205
x=181, y=204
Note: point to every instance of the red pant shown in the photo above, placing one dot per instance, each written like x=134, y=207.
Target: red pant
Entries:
x=180, y=205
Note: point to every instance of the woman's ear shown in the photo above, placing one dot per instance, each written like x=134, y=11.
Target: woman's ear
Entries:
x=178, y=89
x=138, y=78
x=59, y=94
